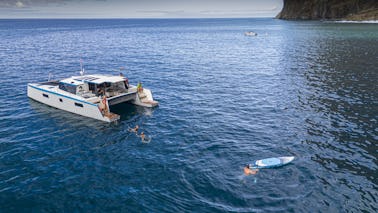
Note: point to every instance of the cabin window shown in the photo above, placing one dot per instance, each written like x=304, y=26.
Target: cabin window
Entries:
x=60, y=100
x=80, y=89
x=68, y=88
x=79, y=105
x=45, y=95
x=92, y=87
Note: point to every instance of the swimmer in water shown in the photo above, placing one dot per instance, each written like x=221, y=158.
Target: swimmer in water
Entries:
x=135, y=129
x=142, y=136
x=249, y=171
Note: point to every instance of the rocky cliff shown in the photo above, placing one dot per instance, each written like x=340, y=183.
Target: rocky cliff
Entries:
x=330, y=9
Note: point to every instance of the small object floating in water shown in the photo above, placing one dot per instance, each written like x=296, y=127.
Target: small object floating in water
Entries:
x=272, y=162
x=250, y=33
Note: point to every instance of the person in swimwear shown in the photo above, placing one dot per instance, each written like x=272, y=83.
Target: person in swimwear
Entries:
x=139, y=87
x=135, y=129
x=142, y=136
x=250, y=171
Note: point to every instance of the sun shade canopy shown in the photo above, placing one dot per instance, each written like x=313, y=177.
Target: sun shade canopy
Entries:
x=95, y=79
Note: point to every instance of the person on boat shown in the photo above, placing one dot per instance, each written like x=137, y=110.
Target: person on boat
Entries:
x=126, y=82
x=100, y=91
x=103, y=106
x=139, y=87
x=250, y=171
x=135, y=129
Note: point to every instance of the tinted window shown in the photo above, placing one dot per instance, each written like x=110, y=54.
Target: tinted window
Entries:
x=79, y=105
x=68, y=88
x=91, y=87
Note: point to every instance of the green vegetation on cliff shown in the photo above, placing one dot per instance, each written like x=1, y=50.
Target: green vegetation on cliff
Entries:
x=330, y=9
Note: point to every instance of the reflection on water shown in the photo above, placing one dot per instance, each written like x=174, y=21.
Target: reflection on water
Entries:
x=344, y=102
x=340, y=98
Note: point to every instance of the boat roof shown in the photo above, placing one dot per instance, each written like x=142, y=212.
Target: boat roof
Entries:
x=96, y=79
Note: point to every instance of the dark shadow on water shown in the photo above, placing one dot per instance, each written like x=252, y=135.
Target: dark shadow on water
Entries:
x=57, y=116
x=340, y=96
x=130, y=112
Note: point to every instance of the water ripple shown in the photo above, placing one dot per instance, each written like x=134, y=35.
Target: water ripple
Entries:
x=306, y=89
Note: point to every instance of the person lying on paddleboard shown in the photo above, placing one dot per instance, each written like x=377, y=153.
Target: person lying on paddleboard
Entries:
x=250, y=171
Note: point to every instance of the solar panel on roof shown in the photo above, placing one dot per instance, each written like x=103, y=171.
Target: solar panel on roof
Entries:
x=86, y=78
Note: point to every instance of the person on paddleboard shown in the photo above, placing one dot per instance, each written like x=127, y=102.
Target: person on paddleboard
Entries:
x=250, y=171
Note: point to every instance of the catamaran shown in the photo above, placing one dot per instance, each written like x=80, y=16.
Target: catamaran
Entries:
x=91, y=95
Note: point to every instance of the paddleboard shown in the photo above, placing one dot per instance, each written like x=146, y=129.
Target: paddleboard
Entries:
x=272, y=162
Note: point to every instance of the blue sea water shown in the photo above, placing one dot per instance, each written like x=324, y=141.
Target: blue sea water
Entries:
x=307, y=89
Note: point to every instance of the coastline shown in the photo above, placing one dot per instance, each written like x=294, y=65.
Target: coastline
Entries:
x=357, y=22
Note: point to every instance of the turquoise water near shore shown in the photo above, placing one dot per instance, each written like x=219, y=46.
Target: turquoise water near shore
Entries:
x=307, y=89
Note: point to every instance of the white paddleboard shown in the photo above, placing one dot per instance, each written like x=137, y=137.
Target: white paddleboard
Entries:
x=272, y=162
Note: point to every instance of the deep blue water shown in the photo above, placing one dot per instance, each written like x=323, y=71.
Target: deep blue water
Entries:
x=307, y=89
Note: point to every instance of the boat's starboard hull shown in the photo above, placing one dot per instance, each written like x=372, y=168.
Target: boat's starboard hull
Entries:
x=67, y=103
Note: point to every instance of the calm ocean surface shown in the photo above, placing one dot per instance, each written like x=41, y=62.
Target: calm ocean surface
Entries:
x=307, y=89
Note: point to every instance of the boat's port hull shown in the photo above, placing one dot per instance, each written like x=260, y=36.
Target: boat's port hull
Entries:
x=67, y=103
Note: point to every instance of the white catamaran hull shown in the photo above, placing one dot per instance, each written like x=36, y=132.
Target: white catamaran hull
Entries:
x=91, y=95
x=67, y=103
